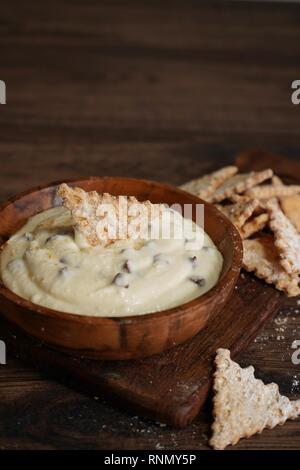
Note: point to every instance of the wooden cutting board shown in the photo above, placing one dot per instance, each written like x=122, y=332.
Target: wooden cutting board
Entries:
x=173, y=386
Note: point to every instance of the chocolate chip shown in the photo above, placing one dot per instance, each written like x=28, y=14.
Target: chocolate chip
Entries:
x=126, y=267
x=63, y=260
x=193, y=260
x=28, y=236
x=63, y=271
x=121, y=280
x=200, y=281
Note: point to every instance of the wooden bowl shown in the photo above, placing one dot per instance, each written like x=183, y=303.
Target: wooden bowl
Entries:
x=132, y=336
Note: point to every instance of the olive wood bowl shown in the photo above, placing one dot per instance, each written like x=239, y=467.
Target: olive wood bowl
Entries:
x=128, y=337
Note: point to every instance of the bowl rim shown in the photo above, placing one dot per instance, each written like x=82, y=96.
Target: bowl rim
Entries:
x=173, y=312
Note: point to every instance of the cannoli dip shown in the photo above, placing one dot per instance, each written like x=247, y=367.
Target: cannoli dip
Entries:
x=47, y=263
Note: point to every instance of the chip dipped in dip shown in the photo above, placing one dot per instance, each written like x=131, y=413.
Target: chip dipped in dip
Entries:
x=49, y=263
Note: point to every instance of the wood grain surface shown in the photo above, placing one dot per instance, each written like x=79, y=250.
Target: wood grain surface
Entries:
x=158, y=90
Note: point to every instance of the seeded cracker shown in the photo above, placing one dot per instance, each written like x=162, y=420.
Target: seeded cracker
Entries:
x=261, y=257
x=204, y=186
x=287, y=239
x=239, y=198
x=269, y=191
x=240, y=183
x=254, y=225
x=291, y=207
x=239, y=213
x=87, y=211
x=244, y=405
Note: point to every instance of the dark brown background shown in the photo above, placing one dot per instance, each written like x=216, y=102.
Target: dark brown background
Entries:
x=161, y=90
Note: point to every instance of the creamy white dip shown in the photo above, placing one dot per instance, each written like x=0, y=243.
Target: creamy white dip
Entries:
x=47, y=264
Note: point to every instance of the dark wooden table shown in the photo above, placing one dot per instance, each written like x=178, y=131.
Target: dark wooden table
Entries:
x=161, y=90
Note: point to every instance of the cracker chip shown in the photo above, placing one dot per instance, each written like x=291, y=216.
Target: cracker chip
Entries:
x=203, y=187
x=239, y=213
x=291, y=207
x=254, y=225
x=276, y=181
x=88, y=210
x=239, y=198
x=239, y=184
x=268, y=191
x=287, y=239
x=244, y=405
x=261, y=257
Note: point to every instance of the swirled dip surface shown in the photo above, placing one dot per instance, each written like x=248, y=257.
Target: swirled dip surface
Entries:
x=46, y=263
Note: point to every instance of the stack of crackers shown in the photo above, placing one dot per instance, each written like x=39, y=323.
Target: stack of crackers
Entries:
x=266, y=213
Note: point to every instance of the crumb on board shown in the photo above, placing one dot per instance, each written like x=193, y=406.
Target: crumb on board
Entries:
x=295, y=387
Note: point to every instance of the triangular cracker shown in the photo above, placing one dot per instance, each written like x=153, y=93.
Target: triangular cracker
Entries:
x=240, y=183
x=86, y=212
x=239, y=213
x=287, y=239
x=291, y=207
x=203, y=187
x=261, y=257
x=244, y=405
